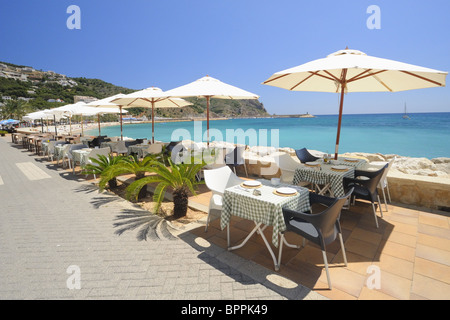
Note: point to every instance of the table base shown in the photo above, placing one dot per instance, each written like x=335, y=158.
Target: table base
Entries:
x=260, y=230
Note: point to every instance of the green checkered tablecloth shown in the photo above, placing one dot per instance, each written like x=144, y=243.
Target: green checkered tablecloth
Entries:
x=325, y=175
x=59, y=151
x=266, y=208
x=138, y=149
x=81, y=156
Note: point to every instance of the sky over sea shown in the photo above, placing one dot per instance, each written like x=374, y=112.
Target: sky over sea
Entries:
x=166, y=44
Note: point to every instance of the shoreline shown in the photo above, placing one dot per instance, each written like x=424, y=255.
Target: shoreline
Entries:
x=418, y=166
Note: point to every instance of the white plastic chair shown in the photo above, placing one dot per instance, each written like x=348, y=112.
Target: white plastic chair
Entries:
x=287, y=165
x=50, y=150
x=217, y=180
x=68, y=156
x=153, y=149
x=384, y=183
x=95, y=153
x=63, y=154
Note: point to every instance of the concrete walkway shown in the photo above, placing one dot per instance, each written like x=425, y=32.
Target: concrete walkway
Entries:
x=58, y=241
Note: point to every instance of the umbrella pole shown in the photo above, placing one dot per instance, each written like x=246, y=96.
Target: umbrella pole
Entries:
x=70, y=124
x=42, y=125
x=82, y=126
x=341, y=107
x=153, y=121
x=121, y=133
x=207, y=120
x=98, y=120
x=54, y=122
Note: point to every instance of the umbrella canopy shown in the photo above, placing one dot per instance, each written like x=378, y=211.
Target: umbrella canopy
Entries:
x=82, y=109
x=107, y=103
x=150, y=98
x=208, y=88
x=42, y=114
x=354, y=71
x=69, y=110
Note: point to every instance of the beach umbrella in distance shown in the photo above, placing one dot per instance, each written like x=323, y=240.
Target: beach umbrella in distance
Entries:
x=68, y=111
x=354, y=71
x=9, y=121
x=107, y=103
x=209, y=87
x=150, y=98
x=82, y=109
x=43, y=114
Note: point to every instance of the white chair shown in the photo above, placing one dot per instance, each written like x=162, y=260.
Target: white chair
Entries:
x=68, y=156
x=153, y=149
x=63, y=154
x=50, y=150
x=217, y=180
x=95, y=153
x=384, y=183
x=287, y=165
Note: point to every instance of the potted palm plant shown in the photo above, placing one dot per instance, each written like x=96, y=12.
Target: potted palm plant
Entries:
x=101, y=163
x=129, y=165
x=181, y=178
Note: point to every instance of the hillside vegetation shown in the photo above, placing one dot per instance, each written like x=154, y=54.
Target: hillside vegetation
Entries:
x=44, y=89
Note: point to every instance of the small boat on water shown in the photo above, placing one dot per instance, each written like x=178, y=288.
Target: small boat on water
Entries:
x=405, y=115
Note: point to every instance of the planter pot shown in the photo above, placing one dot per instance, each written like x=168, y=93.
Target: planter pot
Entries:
x=112, y=183
x=143, y=193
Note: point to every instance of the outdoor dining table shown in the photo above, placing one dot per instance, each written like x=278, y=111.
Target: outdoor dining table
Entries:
x=330, y=175
x=85, y=140
x=264, y=210
x=80, y=156
x=138, y=149
x=110, y=144
x=58, y=152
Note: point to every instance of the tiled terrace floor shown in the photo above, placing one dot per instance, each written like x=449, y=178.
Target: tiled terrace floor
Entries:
x=411, y=248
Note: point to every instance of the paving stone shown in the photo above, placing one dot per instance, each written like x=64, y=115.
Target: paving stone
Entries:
x=50, y=224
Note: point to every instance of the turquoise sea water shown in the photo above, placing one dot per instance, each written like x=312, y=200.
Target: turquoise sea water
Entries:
x=424, y=135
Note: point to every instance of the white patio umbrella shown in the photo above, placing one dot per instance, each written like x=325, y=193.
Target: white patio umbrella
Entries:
x=354, y=71
x=68, y=111
x=43, y=114
x=107, y=103
x=82, y=109
x=151, y=98
x=208, y=87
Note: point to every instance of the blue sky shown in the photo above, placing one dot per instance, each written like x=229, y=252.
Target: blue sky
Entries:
x=168, y=43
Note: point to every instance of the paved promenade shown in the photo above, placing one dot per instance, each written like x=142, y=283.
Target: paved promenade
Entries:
x=58, y=241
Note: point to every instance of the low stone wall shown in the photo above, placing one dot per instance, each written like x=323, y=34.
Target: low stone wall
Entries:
x=428, y=192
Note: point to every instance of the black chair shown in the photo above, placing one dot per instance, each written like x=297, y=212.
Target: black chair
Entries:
x=365, y=187
x=304, y=156
x=320, y=228
x=96, y=142
x=235, y=158
x=172, y=145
